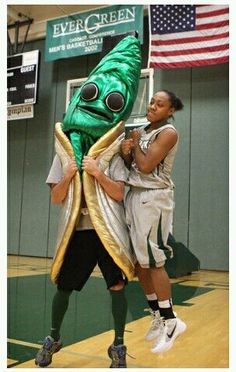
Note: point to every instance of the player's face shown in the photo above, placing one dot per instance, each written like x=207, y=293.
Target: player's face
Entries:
x=159, y=108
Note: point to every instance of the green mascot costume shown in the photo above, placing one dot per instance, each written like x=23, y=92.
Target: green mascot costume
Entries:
x=94, y=125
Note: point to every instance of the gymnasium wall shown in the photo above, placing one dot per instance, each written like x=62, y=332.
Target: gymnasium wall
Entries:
x=200, y=171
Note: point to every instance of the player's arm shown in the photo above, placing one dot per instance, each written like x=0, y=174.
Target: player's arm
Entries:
x=156, y=152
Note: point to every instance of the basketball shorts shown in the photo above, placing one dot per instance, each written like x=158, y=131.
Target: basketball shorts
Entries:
x=85, y=251
x=149, y=215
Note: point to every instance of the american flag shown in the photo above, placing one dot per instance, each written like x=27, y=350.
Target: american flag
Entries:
x=188, y=35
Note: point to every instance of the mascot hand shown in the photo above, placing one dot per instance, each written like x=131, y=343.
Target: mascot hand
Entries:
x=71, y=168
x=90, y=166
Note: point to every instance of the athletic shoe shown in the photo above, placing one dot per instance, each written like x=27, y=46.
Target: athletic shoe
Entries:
x=44, y=355
x=170, y=330
x=156, y=325
x=118, y=356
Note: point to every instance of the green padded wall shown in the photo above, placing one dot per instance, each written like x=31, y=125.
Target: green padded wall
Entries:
x=208, y=217
x=200, y=171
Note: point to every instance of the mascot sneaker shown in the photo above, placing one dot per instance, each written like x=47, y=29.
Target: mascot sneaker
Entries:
x=44, y=355
x=118, y=356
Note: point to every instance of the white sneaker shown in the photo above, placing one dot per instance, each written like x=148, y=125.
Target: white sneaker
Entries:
x=156, y=325
x=170, y=330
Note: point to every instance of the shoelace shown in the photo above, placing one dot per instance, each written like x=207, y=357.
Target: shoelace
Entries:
x=46, y=344
x=156, y=320
x=126, y=330
x=150, y=311
x=132, y=357
x=156, y=323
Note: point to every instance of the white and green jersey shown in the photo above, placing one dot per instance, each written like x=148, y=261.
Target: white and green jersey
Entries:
x=160, y=177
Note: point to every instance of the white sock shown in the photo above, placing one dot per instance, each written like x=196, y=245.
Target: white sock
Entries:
x=165, y=304
x=151, y=297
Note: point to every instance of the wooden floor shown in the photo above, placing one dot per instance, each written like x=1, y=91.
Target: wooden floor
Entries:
x=205, y=344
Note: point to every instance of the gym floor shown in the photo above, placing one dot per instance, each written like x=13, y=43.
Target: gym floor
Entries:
x=200, y=299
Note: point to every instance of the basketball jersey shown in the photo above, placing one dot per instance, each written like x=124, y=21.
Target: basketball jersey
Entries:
x=160, y=177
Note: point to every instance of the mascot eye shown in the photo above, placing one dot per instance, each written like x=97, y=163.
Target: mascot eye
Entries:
x=115, y=101
x=89, y=92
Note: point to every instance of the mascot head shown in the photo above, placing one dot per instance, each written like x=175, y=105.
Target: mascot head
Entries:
x=105, y=98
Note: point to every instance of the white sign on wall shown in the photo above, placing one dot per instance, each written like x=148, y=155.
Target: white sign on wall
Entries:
x=20, y=112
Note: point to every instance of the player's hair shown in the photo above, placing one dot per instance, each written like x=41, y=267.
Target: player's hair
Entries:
x=176, y=102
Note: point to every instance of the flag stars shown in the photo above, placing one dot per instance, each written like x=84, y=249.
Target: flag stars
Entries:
x=172, y=18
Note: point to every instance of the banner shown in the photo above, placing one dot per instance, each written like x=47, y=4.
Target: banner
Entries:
x=83, y=33
x=188, y=35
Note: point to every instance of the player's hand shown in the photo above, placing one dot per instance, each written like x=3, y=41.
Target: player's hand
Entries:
x=126, y=146
x=134, y=135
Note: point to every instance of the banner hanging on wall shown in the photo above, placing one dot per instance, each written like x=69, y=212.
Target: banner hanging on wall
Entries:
x=83, y=33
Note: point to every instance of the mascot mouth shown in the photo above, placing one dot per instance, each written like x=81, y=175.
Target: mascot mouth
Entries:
x=94, y=111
